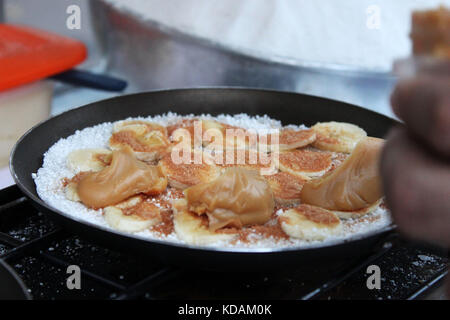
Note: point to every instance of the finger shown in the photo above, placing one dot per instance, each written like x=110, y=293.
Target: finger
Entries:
x=417, y=188
x=435, y=68
x=424, y=105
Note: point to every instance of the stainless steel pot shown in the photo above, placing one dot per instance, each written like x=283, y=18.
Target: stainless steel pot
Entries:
x=151, y=55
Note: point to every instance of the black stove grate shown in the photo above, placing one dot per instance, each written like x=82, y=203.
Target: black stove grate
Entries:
x=40, y=252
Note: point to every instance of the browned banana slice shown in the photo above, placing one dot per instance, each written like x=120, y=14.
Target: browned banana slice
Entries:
x=88, y=159
x=286, y=187
x=193, y=229
x=147, y=140
x=288, y=139
x=186, y=174
x=310, y=223
x=132, y=215
x=305, y=163
x=337, y=136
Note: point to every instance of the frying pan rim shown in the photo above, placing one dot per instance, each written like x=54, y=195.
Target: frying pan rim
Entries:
x=225, y=250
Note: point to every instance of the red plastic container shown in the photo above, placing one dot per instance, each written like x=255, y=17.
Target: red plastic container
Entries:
x=27, y=55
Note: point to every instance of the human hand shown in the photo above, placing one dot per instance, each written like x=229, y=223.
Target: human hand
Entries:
x=415, y=164
x=416, y=159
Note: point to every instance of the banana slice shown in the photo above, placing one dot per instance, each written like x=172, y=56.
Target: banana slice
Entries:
x=286, y=187
x=148, y=140
x=289, y=139
x=358, y=213
x=310, y=223
x=200, y=125
x=238, y=138
x=194, y=229
x=70, y=192
x=223, y=136
x=265, y=163
x=212, y=124
x=139, y=127
x=70, y=186
x=186, y=133
x=88, y=160
x=186, y=174
x=132, y=215
x=305, y=164
x=211, y=134
x=184, y=123
x=337, y=136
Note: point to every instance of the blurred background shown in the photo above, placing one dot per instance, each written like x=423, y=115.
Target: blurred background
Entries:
x=341, y=50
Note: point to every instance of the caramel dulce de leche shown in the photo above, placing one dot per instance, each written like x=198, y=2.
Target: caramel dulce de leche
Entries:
x=124, y=177
x=355, y=184
x=237, y=198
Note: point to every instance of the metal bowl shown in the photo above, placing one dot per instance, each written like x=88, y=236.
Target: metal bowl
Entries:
x=154, y=56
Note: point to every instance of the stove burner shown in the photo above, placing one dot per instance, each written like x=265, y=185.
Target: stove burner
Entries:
x=39, y=251
x=12, y=286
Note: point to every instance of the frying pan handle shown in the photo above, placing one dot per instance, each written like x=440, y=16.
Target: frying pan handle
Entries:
x=91, y=80
x=2, y=11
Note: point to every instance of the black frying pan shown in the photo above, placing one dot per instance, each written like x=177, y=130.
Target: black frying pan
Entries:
x=12, y=287
x=290, y=108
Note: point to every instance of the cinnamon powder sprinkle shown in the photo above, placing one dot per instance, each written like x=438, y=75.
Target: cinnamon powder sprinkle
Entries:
x=105, y=159
x=326, y=139
x=164, y=200
x=165, y=227
x=337, y=160
x=75, y=179
x=271, y=229
x=305, y=160
x=266, y=231
x=317, y=215
x=145, y=210
x=364, y=219
x=291, y=136
x=130, y=138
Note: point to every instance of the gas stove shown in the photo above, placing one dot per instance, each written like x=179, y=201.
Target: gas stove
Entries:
x=40, y=252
